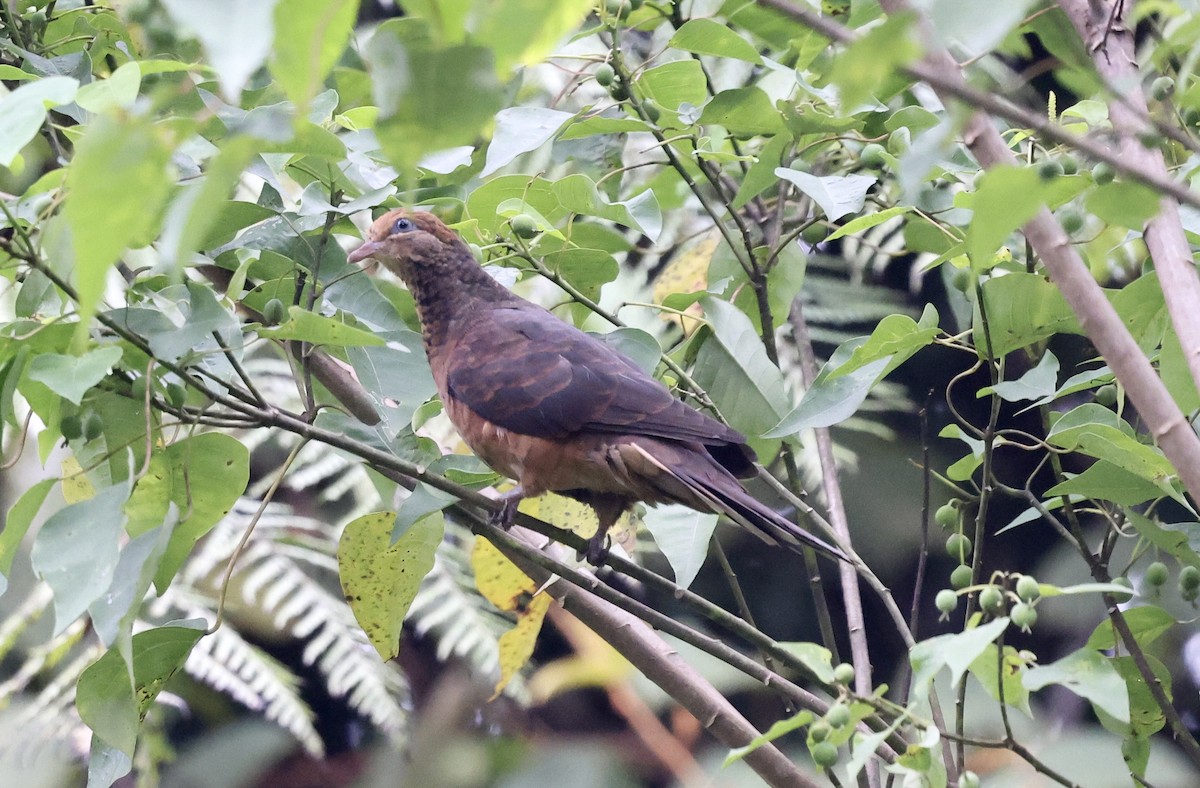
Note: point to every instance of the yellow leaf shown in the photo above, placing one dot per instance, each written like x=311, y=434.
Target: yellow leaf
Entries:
x=687, y=273
x=380, y=579
x=516, y=645
x=580, y=518
x=76, y=486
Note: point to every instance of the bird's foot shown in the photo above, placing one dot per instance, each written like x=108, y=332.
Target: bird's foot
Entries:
x=509, y=502
x=597, y=548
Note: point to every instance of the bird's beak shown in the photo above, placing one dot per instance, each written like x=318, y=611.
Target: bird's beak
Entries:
x=368, y=249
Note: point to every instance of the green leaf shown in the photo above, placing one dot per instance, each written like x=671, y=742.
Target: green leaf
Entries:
x=709, y=37
x=956, y=652
x=16, y=525
x=777, y=729
x=1181, y=540
x=867, y=222
x=640, y=347
x=1007, y=198
x=200, y=216
x=587, y=269
x=1108, y=482
x=1021, y=309
x=116, y=186
x=578, y=193
x=682, y=534
x=1037, y=383
x=815, y=657
x=985, y=669
x=72, y=376
x=1096, y=431
x=1147, y=623
x=310, y=36
x=675, y=83
x=1124, y=204
x=1089, y=675
x=874, y=60
x=76, y=551
x=380, y=578
x=23, y=111
x=520, y=130
x=209, y=472
x=236, y=36
x=590, y=126
x=306, y=326
x=743, y=112
x=412, y=81
x=110, y=703
x=838, y=195
x=1146, y=716
x=113, y=612
x=119, y=91
x=519, y=32
x=733, y=367
x=896, y=338
x=960, y=25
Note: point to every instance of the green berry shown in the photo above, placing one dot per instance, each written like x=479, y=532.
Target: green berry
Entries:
x=968, y=780
x=1024, y=615
x=843, y=674
x=1157, y=574
x=274, y=313
x=819, y=731
x=991, y=599
x=93, y=426
x=618, y=8
x=137, y=389
x=1027, y=588
x=605, y=75
x=946, y=601
x=1107, y=395
x=814, y=234
x=1069, y=165
x=959, y=546
x=824, y=754
x=961, y=577
x=1189, y=594
x=1072, y=221
x=1189, y=577
x=1162, y=88
x=71, y=427
x=651, y=110
x=1103, y=173
x=961, y=280
x=176, y=394
x=1050, y=169
x=618, y=91
x=524, y=226
x=873, y=155
x=946, y=515
x=1191, y=116
x=838, y=716
x=1123, y=581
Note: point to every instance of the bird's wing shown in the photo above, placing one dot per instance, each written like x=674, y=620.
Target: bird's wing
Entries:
x=523, y=369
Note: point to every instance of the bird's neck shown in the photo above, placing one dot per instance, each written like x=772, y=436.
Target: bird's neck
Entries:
x=451, y=292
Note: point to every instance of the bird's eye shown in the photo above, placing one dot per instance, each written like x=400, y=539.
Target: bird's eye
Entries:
x=403, y=225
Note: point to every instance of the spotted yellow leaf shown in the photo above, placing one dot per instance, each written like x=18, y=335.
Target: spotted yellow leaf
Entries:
x=76, y=486
x=580, y=518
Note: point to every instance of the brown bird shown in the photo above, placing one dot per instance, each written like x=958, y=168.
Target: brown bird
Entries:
x=556, y=409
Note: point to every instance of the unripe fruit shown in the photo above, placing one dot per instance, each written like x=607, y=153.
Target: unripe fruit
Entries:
x=960, y=578
x=1072, y=221
x=946, y=601
x=1189, y=577
x=1161, y=88
x=824, y=754
x=274, y=312
x=814, y=234
x=651, y=110
x=873, y=155
x=1157, y=574
x=93, y=426
x=1103, y=173
x=819, y=731
x=524, y=226
x=838, y=716
x=605, y=75
x=843, y=674
x=1049, y=170
x=1027, y=588
x=991, y=599
x=1024, y=616
x=959, y=546
x=176, y=395
x=946, y=515
x=1123, y=581
x=1106, y=395
x=618, y=8
x=71, y=427
x=961, y=280
x=137, y=389
x=1069, y=165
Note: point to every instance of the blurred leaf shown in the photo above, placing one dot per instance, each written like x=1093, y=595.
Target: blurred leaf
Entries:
x=19, y=518
x=380, y=577
x=815, y=657
x=113, y=612
x=875, y=58
x=310, y=36
x=1089, y=675
x=23, y=111
x=777, y=729
x=119, y=91
x=200, y=213
x=1007, y=197
x=511, y=590
x=524, y=32
x=236, y=35
x=743, y=112
x=672, y=84
x=972, y=34
x=955, y=652
x=1124, y=204
x=1181, y=540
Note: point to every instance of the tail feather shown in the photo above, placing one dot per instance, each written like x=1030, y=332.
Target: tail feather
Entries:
x=714, y=488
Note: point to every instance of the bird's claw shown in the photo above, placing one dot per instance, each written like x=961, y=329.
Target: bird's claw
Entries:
x=597, y=548
x=507, y=512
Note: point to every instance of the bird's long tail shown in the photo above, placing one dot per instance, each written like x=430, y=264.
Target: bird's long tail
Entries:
x=705, y=481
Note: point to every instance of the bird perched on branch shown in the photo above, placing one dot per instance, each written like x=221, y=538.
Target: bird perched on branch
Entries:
x=556, y=409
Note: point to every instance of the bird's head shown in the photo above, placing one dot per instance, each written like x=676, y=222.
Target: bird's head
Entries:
x=404, y=240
